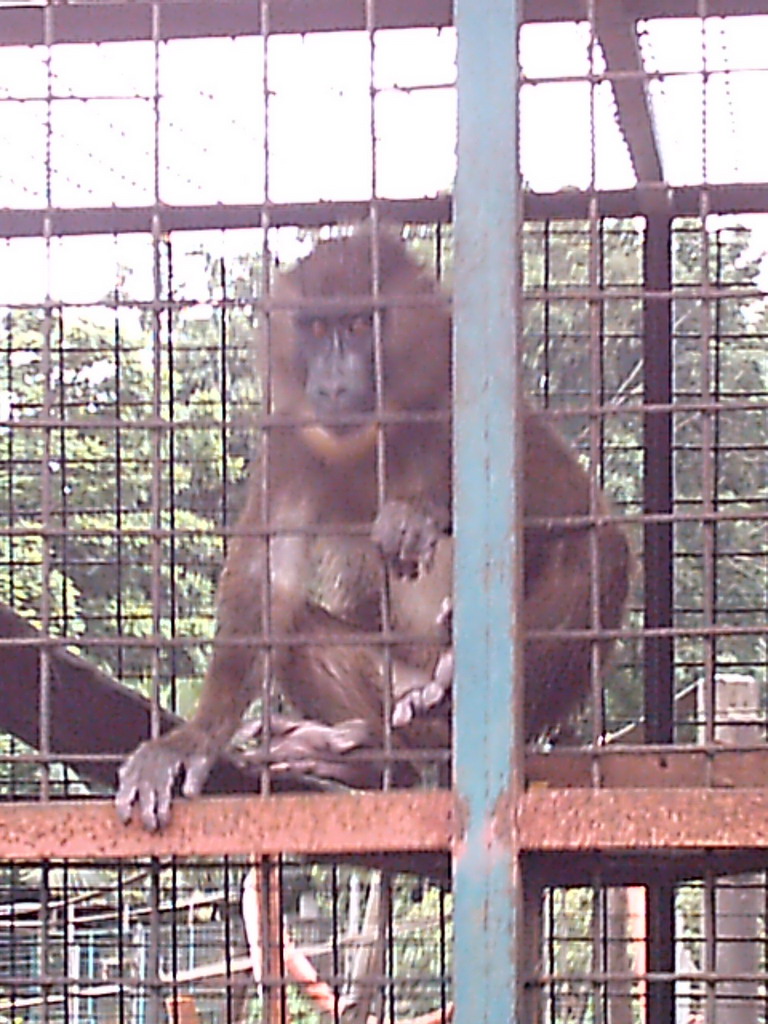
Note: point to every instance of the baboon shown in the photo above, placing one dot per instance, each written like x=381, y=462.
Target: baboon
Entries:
x=355, y=486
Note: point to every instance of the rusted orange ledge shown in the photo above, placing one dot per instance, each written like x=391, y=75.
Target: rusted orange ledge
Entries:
x=643, y=821
x=316, y=823
x=577, y=820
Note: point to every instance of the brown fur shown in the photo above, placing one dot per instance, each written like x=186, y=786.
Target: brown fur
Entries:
x=317, y=477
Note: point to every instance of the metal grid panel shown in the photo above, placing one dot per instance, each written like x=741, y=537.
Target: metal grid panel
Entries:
x=597, y=953
x=716, y=344
x=130, y=357
x=218, y=941
x=131, y=291
x=132, y=305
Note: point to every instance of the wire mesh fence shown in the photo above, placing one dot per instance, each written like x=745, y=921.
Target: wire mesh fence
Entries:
x=164, y=167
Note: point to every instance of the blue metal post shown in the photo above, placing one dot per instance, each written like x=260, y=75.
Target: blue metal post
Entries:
x=488, y=698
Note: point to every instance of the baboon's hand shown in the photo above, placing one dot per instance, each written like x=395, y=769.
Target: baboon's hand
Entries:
x=422, y=699
x=147, y=777
x=407, y=537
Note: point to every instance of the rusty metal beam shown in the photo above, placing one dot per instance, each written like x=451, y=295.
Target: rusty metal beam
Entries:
x=316, y=824
x=615, y=821
x=607, y=822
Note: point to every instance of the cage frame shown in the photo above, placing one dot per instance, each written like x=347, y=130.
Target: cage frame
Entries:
x=658, y=811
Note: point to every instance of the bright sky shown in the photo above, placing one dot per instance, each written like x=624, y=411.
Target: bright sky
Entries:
x=217, y=142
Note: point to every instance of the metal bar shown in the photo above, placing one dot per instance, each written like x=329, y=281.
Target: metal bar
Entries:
x=314, y=823
x=645, y=199
x=576, y=10
x=571, y=867
x=658, y=558
x=631, y=820
x=650, y=768
x=117, y=220
x=103, y=21
x=658, y=551
x=488, y=724
x=617, y=32
x=531, y=1008
x=699, y=821
x=660, y=932
x=657, y=482
x=120, y=22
